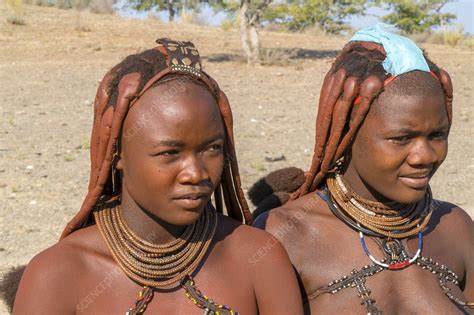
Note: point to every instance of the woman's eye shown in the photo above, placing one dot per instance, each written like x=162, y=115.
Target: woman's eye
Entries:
x=439, y=135
x=168, y=153
x=216, y=147
x=400, y=139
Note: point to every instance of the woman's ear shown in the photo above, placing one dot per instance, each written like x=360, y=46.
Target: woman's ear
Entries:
x=117, y=162
x=346, y=159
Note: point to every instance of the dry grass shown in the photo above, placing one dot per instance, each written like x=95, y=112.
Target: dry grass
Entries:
x=16, y=12
x=469, y=43
x=453, y=38
x=450, y=38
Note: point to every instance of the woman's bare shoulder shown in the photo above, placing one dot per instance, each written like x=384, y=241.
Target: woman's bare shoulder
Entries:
x=296, y=215
x=263, y=258
x=52, y=274
x=452, y=227
x=451, y=220
x=242, y=235
x=246, y=242
x=67, y=254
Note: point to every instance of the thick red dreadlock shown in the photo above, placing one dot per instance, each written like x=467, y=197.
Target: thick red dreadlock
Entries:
x=119, y=90
x=352, y=84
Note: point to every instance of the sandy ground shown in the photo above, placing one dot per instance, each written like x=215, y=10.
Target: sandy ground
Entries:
x=49, y=72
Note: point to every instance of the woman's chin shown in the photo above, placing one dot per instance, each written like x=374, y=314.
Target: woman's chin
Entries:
x=411, y=196
x=186, y=217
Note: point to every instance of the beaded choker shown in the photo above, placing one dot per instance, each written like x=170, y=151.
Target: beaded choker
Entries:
x=160, y=265
x=394, y=220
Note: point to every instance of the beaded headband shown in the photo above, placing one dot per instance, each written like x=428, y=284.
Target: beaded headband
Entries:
x=183, y=56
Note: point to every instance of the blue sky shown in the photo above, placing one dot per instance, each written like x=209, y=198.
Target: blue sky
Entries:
x=464, y=9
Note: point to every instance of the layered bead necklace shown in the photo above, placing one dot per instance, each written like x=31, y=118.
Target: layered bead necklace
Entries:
x=392, y=222
x=160, y=265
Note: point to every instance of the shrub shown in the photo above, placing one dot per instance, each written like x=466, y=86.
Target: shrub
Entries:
x=469, y=43
x=16, y=6
x=452, y=38
x=15, y=20
x=227, y=24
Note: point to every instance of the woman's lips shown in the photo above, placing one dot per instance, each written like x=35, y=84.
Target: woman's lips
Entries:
x=415, y=182
x=192, y=202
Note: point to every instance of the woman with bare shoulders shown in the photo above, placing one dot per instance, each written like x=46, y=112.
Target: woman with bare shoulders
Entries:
x=363, y=230
x=148, y=238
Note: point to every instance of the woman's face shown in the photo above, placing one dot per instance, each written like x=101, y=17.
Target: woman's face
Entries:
x=399, y=147
x=172, y=151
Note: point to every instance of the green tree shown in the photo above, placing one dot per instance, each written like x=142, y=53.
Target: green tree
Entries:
x=174, y=7
x=418, y=15
x=330, y=15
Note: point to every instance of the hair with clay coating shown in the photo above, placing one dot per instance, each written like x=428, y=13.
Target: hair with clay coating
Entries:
x=350, y=87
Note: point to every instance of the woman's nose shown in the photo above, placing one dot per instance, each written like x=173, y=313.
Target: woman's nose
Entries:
x=423, y=153
x=194, y=172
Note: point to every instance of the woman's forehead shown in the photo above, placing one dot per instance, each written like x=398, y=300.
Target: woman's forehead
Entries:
x=172, y=97
x=414, y=83
x=159, y=113
x=408, y=111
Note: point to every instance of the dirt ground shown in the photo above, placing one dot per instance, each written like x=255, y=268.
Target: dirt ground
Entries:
x=49, y=71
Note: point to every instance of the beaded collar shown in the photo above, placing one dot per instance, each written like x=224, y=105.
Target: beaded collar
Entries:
x=209, y=306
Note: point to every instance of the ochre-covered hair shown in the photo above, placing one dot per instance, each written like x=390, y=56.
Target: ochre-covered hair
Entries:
x=350, y=87
x=119, y=90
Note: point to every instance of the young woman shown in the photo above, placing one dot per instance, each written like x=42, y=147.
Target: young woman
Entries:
x=366, y=234
x=148, y=238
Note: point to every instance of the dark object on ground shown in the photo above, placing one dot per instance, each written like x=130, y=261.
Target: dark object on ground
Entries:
x=275, y=159
x=9, y=282
x=274, y=189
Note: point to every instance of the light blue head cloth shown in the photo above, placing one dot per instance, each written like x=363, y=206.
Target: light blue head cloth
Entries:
x=402, y=53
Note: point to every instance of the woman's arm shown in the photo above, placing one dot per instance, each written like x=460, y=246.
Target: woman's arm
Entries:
x=469, y=260
x=45, y=285
x=275, y=284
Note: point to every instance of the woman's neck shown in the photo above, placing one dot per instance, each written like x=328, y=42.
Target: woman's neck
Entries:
x=357, y=184
x=145, y=224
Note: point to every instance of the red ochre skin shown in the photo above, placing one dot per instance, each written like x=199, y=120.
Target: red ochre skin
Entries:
x=178, y=152
x=405, y=137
